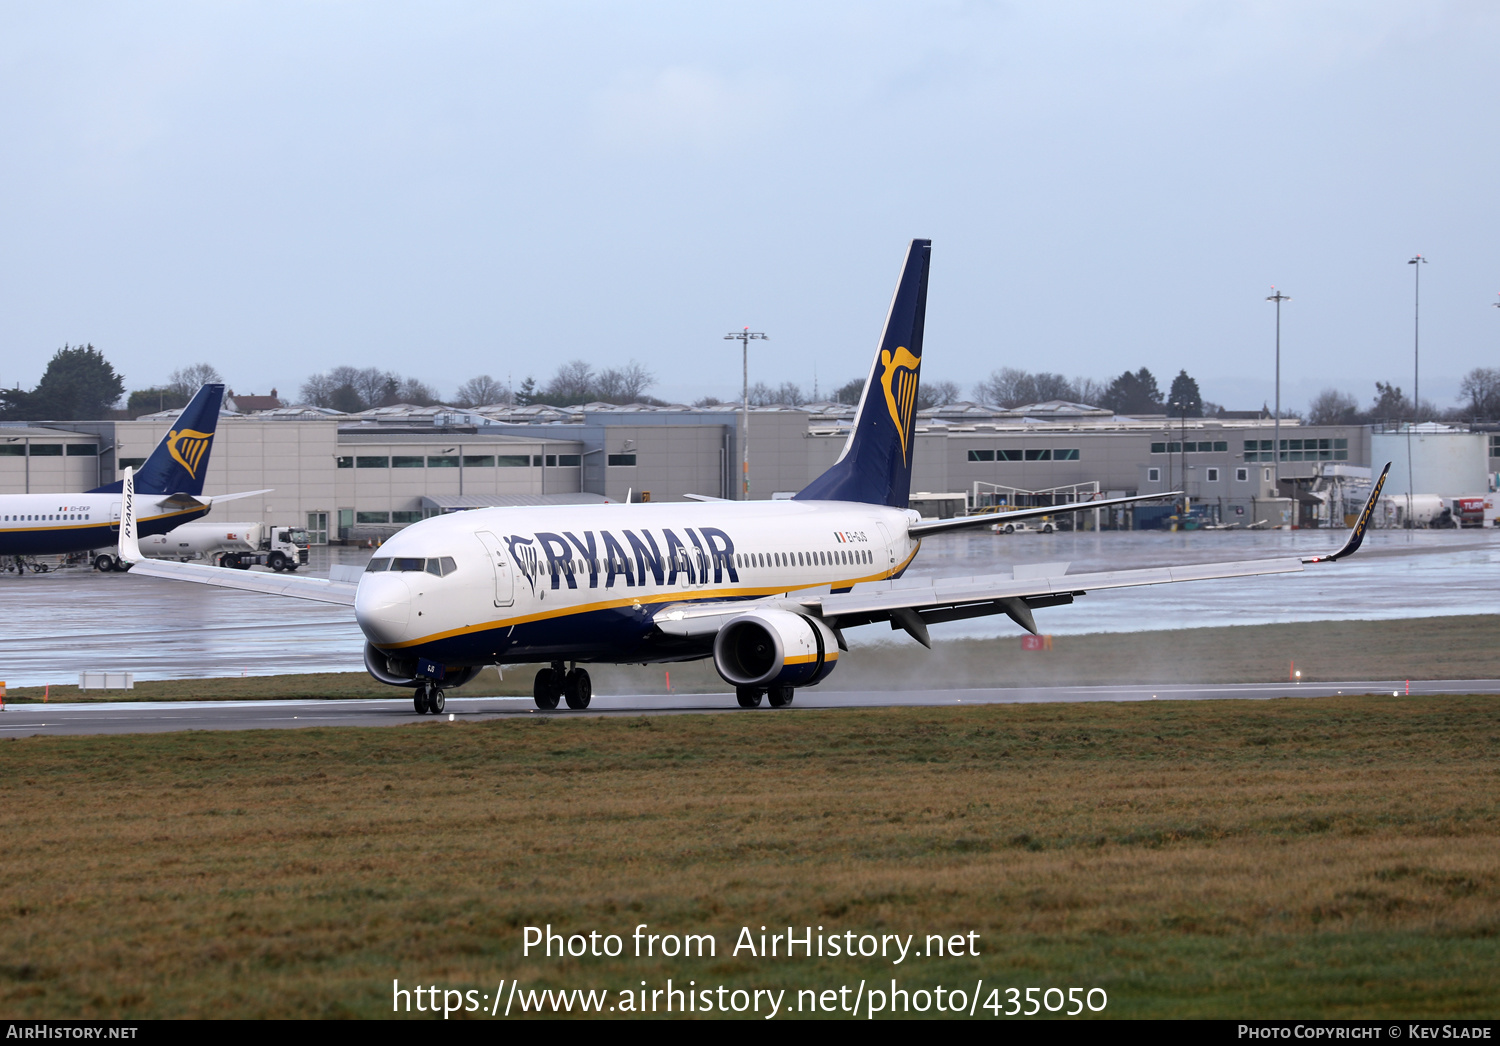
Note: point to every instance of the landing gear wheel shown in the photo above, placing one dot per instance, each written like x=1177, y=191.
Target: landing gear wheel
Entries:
x=104, y=563
x=578, y=689
x=277, y=561
x=435, y=701
x=419, y=700
x=748, y=696
x=545, y=691
x=781, y=696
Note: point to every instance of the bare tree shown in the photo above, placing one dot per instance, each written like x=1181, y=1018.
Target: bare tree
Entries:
x=187, y=380
x=415, y=392
x=318, y=390
x=376, y=387
x=609, y=386
x=849, y=392
x=1088, y=391
x=1482, y=388
x=1332, y=407
x=635, y=380
x=1047, y=387
x=573, y=383
x=482, y=391
x=1007, y=387
x=936, y=394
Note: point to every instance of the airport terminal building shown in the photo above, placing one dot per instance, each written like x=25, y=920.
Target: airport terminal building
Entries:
x=360, y=477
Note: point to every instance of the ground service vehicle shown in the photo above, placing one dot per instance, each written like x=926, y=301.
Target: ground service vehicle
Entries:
x=238, y=545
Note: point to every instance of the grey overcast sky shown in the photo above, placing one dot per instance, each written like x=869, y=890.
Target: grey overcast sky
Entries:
x=449, y=189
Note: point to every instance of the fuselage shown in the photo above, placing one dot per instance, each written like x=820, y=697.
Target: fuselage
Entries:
x=51, y=524
x=585, y=582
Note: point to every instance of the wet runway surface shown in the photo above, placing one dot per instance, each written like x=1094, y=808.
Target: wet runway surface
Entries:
x=58, y=625
x=161, y=717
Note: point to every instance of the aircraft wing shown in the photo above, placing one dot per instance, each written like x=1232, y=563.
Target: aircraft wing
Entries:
x=938, y=526
x=914, y=603
x=322, y=590
x=319, y=589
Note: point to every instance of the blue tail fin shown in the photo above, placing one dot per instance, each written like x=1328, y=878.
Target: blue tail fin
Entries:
x=875, y=466
x=180, y=461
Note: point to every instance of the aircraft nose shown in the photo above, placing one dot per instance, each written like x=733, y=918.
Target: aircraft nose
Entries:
x=382, y=606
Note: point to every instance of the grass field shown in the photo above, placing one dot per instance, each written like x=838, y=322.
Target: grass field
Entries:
x=1277, y=858
x=1465, y=647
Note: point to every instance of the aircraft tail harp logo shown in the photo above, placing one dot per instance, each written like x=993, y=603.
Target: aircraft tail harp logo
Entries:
x=899, y=380
x=188, y=447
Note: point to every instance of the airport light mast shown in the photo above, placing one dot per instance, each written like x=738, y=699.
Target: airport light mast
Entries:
x=1181, y=449
x=1416, y=338
x=1278, y=298
x=745, y=337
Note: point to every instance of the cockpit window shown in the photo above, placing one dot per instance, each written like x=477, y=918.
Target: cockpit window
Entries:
x=408, y=563
x=377, y=565
x=441, y=567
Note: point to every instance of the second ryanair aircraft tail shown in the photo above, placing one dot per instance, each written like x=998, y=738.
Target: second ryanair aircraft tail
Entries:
x=180, y=461
x=875, y=466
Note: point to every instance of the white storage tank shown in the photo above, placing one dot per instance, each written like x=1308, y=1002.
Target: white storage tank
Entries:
x=1444, y=461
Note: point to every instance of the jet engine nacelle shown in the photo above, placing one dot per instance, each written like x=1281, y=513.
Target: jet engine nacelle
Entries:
x=395, y=670
x=774, y=648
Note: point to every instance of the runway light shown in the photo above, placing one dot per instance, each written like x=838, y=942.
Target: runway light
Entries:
x=450, y=717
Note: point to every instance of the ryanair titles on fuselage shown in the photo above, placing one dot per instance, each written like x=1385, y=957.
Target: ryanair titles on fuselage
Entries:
x=632, y=557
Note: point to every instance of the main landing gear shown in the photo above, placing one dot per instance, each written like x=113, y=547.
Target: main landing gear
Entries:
x=428, y=699
x=572, y=685
x=749, y=696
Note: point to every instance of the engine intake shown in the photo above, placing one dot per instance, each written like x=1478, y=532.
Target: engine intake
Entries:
x=394, y=670
x=774, y=648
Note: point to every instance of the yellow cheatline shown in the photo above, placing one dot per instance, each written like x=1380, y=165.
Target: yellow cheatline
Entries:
x=632, y=600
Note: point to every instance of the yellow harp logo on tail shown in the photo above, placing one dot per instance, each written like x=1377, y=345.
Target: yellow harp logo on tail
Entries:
x=188, y=447
x=899, y=379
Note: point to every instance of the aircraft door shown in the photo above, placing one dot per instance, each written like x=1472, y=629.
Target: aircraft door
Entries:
x=505, y=579
x=890, y=549
x=114, y=517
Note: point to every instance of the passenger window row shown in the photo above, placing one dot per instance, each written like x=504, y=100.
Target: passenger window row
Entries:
x=837, y=558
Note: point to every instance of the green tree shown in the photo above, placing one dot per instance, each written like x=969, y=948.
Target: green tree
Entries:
x=1184, y=401
x=149, y=401
x=78, y=385
x=849, y=392
x=1391, y=404
x=1133, y=393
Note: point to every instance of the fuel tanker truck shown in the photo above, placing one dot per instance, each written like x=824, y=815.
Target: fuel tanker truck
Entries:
x=235, y=545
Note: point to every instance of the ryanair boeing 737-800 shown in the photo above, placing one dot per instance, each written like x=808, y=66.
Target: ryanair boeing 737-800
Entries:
x=765, y=588
x=169, y=486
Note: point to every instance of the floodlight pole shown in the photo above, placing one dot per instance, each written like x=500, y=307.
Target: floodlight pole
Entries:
x=1278, y=298
x=1416, y=337
x=745, y=336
